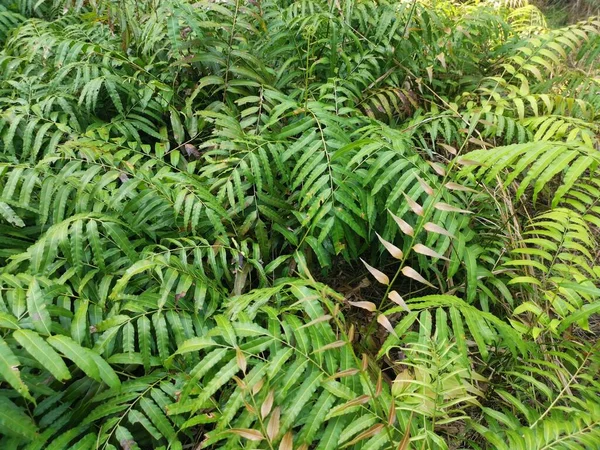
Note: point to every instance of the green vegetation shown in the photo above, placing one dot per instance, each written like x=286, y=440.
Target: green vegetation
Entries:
x=185, y=188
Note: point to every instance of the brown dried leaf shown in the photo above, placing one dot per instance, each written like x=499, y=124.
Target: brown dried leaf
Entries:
x=428, y=189
x=267, y=404
x=241, y=359
x=379, y=276
x=336, y=344
x=448, y=148
x=398, y=300
x=250, y=408
x=412, y=273
x=394, y=251
x=437, y=168
x=324, y=318
x=361, y=400
x=247, y=433
x=405, y=442
x=241, y=383
x=365, y=362
x=369, y=306
x=344, y=373
x=375, y=429
x=287, y=443
x=449, y=208
x=385, y=323
x=379, y=385
x=258, y=386
x=468, y=162
x=459, y=187
x=423, y=250
x=404, y=227
x=417, y=209
x=273, y=425
x=392, y=414
x=479, y=142
x=442, y=59
x=433, y=228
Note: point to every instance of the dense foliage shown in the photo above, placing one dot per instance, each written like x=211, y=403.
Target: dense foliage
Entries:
x=184, y=187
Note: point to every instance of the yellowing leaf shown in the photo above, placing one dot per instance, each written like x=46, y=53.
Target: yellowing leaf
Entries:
x=398, y=300
x=273, y=425
x=412, y=273
x=417, y=209
x=379, y=276
x=267, y=404
x=433, y=228
x=449, y=208
x=404, y=227
x=394, y=251
x=369, y=306
x=423, y=250
x=247, y=433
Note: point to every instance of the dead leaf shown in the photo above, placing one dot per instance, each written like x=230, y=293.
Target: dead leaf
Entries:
x=267, y=404
x=428, y=189
x=273, y=425
x=412, y=273
x=369, y=306
x=442, y=59
x=366, y=434
x=336, y=344
x=449, y=208
x=417, y=209
x=448, y=148
x=241, y=359
x=404, y=227
x=385, y=323
x=344, y=373
x=247, y=433
x=458, y=187
x=433, y=228
x=423, y=250
x=394, y=251
x=324, y=318
x=437, y=168
x=258, y=386
x=392, y=414
x=287, y=443
x=398, y=300
x=379, y=276
x=468, y=162
x=405, y=442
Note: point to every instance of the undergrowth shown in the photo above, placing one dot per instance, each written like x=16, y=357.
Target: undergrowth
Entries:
x=180, y=182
